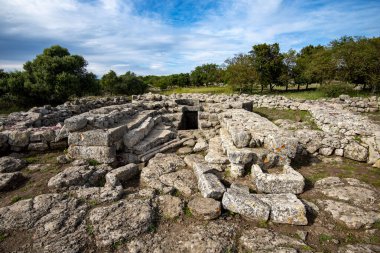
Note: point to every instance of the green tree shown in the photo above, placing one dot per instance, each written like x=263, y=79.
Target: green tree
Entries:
x=206, y=74
x=109, y=81
x=55, y=75
x=240, y=73
x=288, y=74
x=268, y=62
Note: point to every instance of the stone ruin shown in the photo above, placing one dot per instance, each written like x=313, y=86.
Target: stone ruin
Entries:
x=216, y=136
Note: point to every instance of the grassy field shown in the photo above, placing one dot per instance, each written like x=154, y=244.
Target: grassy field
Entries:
x=209, y=89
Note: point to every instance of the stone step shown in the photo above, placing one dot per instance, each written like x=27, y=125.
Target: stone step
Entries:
x=134, y=136
x=108, y=137
x=215, y=152
x=162, y=148
x=159, y=135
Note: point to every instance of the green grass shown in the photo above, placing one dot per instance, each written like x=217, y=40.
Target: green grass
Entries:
x=16, y=199
x=187, y=212
x=324, y=238
x=3, y=236
x=90, y=229
x=294, y=115
x=93, y=162
x=209, y=89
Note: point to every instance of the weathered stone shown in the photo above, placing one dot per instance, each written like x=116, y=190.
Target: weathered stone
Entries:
x=285, y=208
x=215, y=236
x=182, y=180
x=57, y=223
x=201, y=145
x=18, y=138
x=99, y=194
x=205, y=208
x=101, y=154
x=237, y=170
x=121, y=175
x=351, y=216
x=210, y=186
x=75, y=123
x=240, y=137
x=38, y=146
x=215, y=152
x=8, y=181
x=356, y=152
x=328, y=182
x=289, y=181
x=264, y=240
x=184, y=150
x=248, y=205
x=362, y=248
x=10, y=164
x=123, y=220
x=78, y=176
x=170, y=206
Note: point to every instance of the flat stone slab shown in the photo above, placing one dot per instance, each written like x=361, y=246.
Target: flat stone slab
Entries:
x=123, y=220
x=205, y=208
x=289, y=181
x=101, y=154
x=99, y=194
x=264, y=240
x=78, y=176
x=351, y=216
x=248, y=205
x=285, y=208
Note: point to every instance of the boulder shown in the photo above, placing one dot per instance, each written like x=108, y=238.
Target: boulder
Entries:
x=210, y=186
x=356, y=152
x=248, y=205
x=285, y=208
x=11, y=164
x=205, y=208
x=75, y=123
x=122, y=174
x=289, y=181
x=9, y=181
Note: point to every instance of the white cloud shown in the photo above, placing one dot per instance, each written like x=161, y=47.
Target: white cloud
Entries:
x=110, y=34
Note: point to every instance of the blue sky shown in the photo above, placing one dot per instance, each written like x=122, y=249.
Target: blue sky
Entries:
x=173, y=36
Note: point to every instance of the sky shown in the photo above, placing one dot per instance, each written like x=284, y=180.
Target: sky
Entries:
x=162, y=37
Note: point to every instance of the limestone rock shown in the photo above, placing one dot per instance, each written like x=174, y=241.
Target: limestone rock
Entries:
x=78, y=176
x=215, y=236
x=122, y=174
x=201, y=145
x=10, y=164
x=285, y=208
x=170, y=206
x=99, y=194
x=57, y=223
x=75, y=123
x=124, y=220
x=289, y=181
x=362, y=248
x=356, y=152
x=210, y=186
x=205, y=208
x=264, y=240
x=248, y=205
x=353, y=217
x=102, y=154
x=8, y=181
x=182, y=180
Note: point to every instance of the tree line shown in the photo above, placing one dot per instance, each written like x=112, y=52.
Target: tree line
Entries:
x=56, y=75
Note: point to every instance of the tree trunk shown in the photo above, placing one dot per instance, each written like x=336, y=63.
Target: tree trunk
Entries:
x=307, y=86
x=287, y=86
x=298, y=87
x=262, y=88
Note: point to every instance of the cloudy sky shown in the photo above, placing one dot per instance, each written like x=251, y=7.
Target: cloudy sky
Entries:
x=173, y=36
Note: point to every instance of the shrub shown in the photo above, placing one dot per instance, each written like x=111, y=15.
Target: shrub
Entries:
x=336, y=89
